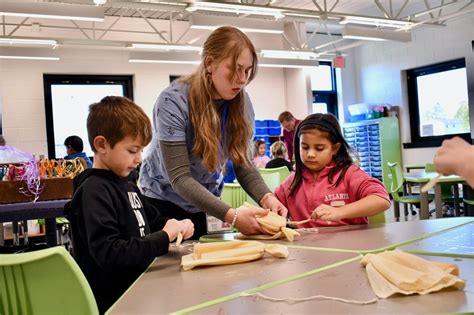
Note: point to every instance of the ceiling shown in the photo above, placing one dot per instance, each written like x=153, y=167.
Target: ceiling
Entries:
x=168, y=21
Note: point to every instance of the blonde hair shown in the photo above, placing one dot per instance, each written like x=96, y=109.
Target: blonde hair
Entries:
x=278, y=150
x=225, y=42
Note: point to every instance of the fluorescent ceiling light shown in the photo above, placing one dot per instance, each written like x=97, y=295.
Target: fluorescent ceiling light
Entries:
x=286, y=63
x=165, y=57
x=362, y=20
x=199, y=21
x=27, y=41
x=363, y=33
x=235, y=8
x=52, y=11
x=30, y=53
x=289, y=54
x=166, y=47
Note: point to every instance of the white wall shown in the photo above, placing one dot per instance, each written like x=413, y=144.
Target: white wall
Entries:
x=379, y=69
x=21, y=89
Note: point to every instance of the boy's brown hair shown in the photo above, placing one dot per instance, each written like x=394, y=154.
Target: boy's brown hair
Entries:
x=115, y=118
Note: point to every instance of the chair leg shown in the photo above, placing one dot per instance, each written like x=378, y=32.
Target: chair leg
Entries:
x=396, y=211
x=405, y=210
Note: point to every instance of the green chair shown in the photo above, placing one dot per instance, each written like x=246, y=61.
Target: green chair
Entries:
x=283, y=172
x=44, y=282
x=447, y=194
x=233, y=195
x=272, y=179
x=377, y=218
x=398, y=180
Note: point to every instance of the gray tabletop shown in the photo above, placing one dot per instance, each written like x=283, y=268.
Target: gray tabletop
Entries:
x=366, y=238
x=164, y=288
x=455, y=242
x=349, y=281
x=308, y=271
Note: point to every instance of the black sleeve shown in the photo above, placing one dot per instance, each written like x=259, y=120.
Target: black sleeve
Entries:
x=155, y=219
x=110, y=246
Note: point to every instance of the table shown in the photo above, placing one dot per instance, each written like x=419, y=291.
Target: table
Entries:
x=48, y=210
x=422, y=178
x=312, y=268
x=458, y=242
x=363, y=238
x=410, y=167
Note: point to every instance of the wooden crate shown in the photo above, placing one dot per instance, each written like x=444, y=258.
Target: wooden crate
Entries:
x=54, y=188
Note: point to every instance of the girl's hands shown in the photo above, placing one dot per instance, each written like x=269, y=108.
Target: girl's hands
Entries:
x=327, y=213
x=271, y=202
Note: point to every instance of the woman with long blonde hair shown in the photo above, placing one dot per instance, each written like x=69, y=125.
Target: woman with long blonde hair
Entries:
x=201, y=121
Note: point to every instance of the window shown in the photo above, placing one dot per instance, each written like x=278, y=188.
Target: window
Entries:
x=323, y=85
x=438, y=103
x=67, y=100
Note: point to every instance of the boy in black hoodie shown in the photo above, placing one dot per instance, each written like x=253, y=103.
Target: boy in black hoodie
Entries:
x=116, y=234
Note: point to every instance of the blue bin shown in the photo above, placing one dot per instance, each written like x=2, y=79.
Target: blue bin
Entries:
x=274, y=131
x=261, y=131
x=261, y=124
x=273, y=123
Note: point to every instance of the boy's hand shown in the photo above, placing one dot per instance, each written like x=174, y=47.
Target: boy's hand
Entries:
x=187, y=228
x=172, y=228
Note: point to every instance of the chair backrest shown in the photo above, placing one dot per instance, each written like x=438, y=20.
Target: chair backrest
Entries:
x=377, y=218
x=47, y=281
x=233, y=194
x=397, y=179
x=273, y=180
x=282, y=172
x=429, y=167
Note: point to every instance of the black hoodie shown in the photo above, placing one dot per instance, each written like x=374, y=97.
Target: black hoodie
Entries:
x=116, y=234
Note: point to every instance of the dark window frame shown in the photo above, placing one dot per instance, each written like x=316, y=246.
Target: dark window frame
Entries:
x=64, y=79
x=328, y=97
x=417, y=141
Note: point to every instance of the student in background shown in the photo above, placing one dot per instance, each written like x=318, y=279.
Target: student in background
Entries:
x=229, y=174
x=278, y=153
x=456, y=156
x=327, y=186
x=201, y=121
x=259, y=157
x=289, y=123
x=116, y=232
x=74, y=147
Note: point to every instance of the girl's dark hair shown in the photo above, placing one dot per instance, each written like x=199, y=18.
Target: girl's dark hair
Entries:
x=258, y=143
x=328, y=124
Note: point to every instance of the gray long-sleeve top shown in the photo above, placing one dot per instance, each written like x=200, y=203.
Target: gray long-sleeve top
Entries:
x=170, y=170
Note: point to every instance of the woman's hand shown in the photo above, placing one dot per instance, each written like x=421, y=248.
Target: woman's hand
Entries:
x=246, y=221
x=271, y=202
x=327, y=213
x=187, y=228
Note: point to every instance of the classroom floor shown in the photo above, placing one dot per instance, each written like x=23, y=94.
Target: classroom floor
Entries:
x=389, y=216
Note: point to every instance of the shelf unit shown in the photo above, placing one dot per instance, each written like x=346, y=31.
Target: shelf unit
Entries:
x=375, y=143
x=267, y=130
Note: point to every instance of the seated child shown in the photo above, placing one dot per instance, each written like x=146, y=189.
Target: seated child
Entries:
x=74, y=147
x=260, y=159
x=116, y=234
x=278, y=153
x=326, y=185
